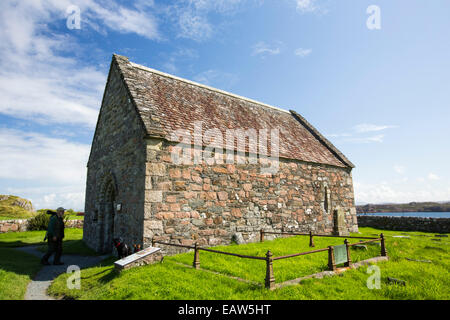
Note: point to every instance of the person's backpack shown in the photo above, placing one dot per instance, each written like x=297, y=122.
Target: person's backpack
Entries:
x=52, y=213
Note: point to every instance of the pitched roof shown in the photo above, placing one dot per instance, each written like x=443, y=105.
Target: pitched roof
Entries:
x=166, y=103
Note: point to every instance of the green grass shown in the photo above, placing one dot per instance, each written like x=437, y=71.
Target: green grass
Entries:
x=16, y=270
x=11, y=217
x=72, y=243
x=73, y=217
x=69, y=214
x=170, y=280
x=285, y=269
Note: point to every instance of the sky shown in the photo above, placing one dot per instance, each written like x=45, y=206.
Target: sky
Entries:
x=372, y=76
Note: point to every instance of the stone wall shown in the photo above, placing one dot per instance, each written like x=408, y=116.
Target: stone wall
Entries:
x=22, y=225
x=116, y=169
x=75, y=224
x=212, y=204
x=13, y=225
x=437, y=225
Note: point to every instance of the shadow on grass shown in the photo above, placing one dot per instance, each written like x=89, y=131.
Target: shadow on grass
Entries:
x=71, y=247
x=18, y=262
x=109, y=274
x=17, y=243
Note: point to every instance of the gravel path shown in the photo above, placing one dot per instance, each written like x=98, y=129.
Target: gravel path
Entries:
x=37, y=288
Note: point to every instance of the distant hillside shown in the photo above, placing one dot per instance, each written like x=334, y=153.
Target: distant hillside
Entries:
x=14, y=207
x=405, y=207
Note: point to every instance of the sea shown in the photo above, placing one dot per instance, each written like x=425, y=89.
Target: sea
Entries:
x=409, y=214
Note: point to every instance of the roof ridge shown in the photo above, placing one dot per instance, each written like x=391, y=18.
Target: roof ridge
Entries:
x=339, y=158
x=322, y=139
x=168, y=75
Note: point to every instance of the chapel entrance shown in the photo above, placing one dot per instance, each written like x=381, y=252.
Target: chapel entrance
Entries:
x=108, y=225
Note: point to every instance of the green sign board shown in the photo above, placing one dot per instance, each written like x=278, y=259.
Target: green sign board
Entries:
x=340, y=254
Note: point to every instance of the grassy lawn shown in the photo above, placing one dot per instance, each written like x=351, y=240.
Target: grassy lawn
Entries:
x=16, y=270
x=73, y=217
x=170, y=280
x=72, y=243
x=22, y=214
x=284, y=269
x=9, y=217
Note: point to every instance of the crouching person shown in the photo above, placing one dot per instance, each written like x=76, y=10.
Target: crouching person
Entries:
x=55, y=234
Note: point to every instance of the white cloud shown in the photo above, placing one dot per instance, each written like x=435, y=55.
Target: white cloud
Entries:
x=366, y=127
x=221, y=6
x=51, y=198
x=121, y=19
x=172, y=59
x=216, y=78
x=357, y=131
x=40, y=80
x=311, y=6
x=306, y=5
x=377, y=138
x=37, y=78
x=261, y=48
x=193, y=26
x=432, y=176
x=57, y=166
x=34, y=156
x=300, y=52
x=52, y=93
x=192, y=17
x=399, y=192
x=338, y=135
x=399, y=169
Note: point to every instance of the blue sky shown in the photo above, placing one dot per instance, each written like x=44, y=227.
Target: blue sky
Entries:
x=381, y=96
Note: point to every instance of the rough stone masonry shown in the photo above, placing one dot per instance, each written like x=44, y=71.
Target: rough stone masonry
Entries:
x=136, y=190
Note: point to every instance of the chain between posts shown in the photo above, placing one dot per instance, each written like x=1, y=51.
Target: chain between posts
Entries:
x=270, y=278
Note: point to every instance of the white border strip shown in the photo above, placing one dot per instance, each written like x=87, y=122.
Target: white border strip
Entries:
x=204, y=86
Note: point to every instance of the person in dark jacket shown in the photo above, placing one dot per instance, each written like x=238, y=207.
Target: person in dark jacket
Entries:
x=55, y=235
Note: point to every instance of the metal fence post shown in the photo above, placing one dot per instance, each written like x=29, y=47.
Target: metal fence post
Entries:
x=383, y=246
x=331, y=261
x=196, y=263
x=261, y=235
x=349, y=260
x=270, y=279
x=311, y=239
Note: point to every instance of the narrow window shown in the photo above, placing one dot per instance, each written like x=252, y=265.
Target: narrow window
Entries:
x=325, y=203
x=95, y=217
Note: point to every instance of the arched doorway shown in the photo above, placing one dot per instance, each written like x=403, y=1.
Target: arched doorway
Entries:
x=107, y=214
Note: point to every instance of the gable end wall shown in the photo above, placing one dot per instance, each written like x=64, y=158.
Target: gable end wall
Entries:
x=118, y=154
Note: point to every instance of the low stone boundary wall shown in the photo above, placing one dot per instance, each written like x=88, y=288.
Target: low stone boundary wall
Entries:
x=437, y=225
x=74, y=224
x=22, y=225
x=13, y=225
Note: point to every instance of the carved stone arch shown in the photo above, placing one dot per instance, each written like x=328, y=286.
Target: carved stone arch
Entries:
x=108, y=183
x=106, y=211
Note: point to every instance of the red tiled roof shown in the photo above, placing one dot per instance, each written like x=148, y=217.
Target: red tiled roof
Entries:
x=167, y=103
